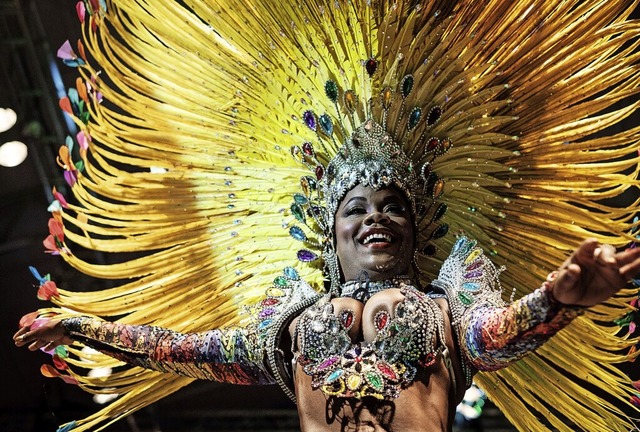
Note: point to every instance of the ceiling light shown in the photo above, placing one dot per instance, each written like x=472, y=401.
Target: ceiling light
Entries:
x=8, y=118
x=12, y=153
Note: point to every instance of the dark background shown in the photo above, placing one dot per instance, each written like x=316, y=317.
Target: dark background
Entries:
x=30, y=33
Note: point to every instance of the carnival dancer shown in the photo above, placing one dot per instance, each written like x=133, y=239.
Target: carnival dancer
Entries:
x=422, y=135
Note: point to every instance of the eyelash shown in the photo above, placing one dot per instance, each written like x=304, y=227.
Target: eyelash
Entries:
x=391, y=208
x=354, y=210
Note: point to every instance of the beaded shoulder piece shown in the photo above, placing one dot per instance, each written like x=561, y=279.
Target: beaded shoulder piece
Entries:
x=285, y=299
x=469, y=279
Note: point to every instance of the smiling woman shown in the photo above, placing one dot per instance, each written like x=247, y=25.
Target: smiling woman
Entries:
x=413, y=125
x=374, y=234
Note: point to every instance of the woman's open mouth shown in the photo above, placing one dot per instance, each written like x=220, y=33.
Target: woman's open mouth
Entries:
x=377, y=239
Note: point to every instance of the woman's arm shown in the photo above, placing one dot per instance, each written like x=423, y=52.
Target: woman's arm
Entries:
x=233, y=355
x=496, y=336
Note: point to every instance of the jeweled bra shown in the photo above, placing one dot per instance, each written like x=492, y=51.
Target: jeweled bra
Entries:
x=407, y=340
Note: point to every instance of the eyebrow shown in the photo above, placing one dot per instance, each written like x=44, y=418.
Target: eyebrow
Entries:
x=385, y=200
x=355, y=198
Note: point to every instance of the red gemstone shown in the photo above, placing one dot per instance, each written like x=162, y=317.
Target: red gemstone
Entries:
x=347, y=319
x=371, y=66
x=387, y=371
x=433, y=144
x=269, y=302
x=382, y=318
x=307, y=148
x=429, y=360
x=319, y=172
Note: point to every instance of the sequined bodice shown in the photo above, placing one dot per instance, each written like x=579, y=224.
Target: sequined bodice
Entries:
x=410, y=338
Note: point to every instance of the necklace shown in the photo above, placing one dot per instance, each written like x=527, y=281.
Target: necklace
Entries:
x=362, y=288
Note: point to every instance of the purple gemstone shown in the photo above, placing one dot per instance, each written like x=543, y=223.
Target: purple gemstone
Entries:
x=474, y=266
x=473, y=274
x=306, y=256
x=327, y=363
x=310, y=120
x=266, y=312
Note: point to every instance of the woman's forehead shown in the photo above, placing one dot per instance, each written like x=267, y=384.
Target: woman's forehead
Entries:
x=366, y=193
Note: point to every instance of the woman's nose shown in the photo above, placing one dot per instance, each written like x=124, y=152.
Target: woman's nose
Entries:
x=376, y=217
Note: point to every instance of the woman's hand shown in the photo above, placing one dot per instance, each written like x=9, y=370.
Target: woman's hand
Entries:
x=593, y=273
x=43, y=333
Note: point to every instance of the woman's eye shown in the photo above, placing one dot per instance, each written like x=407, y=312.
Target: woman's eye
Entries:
x=394, y=208
x=354, y=210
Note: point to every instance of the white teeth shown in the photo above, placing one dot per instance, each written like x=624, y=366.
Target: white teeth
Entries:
x=377, y=237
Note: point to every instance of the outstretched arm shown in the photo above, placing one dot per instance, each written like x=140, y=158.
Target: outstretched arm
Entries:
x=495, y=337
x=232, y=355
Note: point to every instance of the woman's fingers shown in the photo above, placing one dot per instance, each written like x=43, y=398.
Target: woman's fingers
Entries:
x=629, y=262
x=22, y=337
x=605, y=254
x=20, y=332
x=37, y=344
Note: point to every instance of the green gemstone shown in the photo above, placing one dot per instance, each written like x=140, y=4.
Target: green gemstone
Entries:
x=298, y=213
x=407, y=85
x=375, y=381
x=281, y=281
x=466, y=298
x=331, y=89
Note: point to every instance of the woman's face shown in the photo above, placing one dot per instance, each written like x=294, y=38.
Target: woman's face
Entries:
x=374, y=233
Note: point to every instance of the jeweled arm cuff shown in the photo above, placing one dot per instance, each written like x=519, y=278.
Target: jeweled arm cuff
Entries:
x=232, y=355
x=496, y=337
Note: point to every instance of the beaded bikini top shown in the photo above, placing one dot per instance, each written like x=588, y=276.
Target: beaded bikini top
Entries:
x=410, y=338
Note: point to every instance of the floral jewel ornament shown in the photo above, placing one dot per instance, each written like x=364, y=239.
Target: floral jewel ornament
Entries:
x=47, y=287
x=46, y=291
x=394, y=149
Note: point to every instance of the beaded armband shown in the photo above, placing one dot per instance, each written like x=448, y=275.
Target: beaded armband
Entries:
x=231, y=355
x=284, y=300
x=497, y=337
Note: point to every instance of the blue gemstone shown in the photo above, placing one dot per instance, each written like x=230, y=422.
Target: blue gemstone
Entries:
x=264, y=324
x=326, y=124
x=300, y=199
x=297, y=233
x=414, y=117
x=291, y=273
x=471, y=286
x=458, y=244
x=334, y=376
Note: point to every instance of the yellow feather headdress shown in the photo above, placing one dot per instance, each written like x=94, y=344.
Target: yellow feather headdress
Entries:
x=190, y=111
